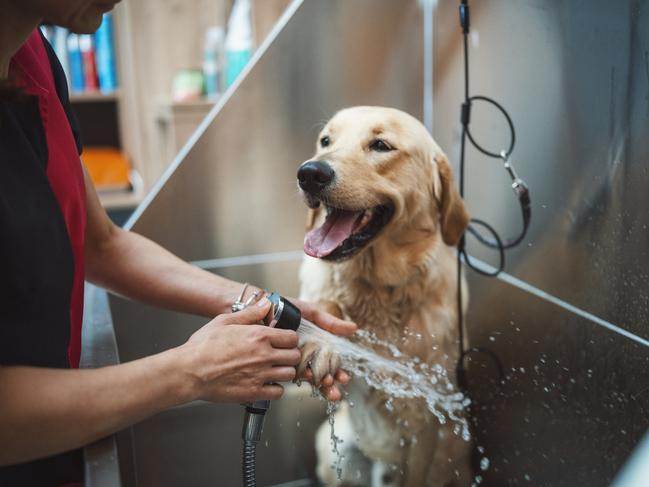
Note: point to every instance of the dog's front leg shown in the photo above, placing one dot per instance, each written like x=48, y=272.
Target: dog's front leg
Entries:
x=418, y=458
x=320, y=358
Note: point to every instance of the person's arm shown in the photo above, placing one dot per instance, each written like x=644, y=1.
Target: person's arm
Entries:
x=48, y=411
x=135, y=267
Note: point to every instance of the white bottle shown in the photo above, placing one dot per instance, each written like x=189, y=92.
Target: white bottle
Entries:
x=238, y=41
x=212, y=61
x=60, y=45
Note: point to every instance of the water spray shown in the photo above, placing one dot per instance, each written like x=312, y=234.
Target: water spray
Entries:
x=285, y=315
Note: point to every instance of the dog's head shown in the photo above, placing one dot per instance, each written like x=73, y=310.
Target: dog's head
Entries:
x=377, y=174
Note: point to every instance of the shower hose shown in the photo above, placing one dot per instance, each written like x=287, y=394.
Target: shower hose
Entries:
x=284, y=315
x=249, y=450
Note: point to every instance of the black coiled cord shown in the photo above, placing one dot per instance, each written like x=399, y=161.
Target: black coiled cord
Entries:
x=249, y=453
x=520, y=189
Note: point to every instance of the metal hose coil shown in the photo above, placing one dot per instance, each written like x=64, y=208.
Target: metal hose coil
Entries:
x=249, y=449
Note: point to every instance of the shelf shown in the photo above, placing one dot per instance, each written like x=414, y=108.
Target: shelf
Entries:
x=166, y=110
x=120, y=199
x=128, y=198
x=93, y=97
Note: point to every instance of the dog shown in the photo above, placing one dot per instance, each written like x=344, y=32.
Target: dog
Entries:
x=383, y=219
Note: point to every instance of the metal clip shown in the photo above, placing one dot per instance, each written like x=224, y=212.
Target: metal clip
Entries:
x=518, y=185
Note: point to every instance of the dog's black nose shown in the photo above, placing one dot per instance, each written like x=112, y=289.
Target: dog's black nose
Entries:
x=314, y=176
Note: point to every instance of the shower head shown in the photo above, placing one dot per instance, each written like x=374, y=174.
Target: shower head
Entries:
x=283, y=314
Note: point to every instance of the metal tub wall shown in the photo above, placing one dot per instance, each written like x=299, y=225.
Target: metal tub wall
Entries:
x=574, y=77
x=234, y=191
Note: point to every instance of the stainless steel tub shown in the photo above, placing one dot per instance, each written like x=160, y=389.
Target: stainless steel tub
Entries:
x=568, y=321
x=199, y=443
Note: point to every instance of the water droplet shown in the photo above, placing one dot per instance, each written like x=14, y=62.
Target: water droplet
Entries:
x=484, y=464
x=395, y=374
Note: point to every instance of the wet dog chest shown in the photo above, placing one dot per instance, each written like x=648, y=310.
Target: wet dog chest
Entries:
x=394, y=319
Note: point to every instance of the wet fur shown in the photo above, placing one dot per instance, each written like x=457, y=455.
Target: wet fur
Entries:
x=405, y=278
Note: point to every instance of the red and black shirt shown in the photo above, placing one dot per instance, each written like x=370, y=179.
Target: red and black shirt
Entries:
x=42, y=226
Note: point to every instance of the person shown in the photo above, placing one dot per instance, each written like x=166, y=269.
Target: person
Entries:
x=53, y=234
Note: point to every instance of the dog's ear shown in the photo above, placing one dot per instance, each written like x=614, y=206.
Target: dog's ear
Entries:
x=452, y=212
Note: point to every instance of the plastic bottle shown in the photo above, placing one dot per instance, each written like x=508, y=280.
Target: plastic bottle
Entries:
x=86, y=45
x=105, y=55
x=75, y=60
x=60, y=45
x=238, y=40
x=212, y=61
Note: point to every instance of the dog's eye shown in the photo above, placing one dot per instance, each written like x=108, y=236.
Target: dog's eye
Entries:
x=324, y=141
x=380, y=145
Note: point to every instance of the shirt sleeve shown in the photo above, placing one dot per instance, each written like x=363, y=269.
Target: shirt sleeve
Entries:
x=61, y=84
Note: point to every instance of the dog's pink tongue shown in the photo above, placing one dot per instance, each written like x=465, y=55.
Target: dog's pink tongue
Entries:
x=323, y=240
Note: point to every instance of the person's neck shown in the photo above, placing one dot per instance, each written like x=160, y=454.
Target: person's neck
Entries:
x=15, y=27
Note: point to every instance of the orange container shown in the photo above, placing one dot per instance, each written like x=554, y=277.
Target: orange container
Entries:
x=108, y=168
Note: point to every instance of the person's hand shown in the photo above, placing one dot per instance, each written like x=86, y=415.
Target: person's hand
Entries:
x=328, y=384
x=233, y=359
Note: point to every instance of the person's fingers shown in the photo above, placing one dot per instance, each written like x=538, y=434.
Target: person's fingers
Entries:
x=278, y=374
x=342, y=376
x=282, y=338
x=307, y=374
x=332, y=393
x=286, y=357
x=325, y=320
x=331, y=323
x=327, y=381
x=271, y=391
x=250, y=315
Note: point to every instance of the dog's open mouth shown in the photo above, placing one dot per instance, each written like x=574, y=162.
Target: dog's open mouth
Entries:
x=345, y=232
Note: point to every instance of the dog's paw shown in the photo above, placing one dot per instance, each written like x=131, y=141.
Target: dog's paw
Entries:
x=321, y=360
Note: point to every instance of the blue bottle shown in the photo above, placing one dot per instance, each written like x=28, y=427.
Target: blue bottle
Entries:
x=75, y=63
x=105, y=53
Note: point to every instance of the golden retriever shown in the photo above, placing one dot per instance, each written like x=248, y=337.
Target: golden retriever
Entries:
x=384, y=216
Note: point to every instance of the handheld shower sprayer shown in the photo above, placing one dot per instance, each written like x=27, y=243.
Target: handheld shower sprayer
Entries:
x=283, y=314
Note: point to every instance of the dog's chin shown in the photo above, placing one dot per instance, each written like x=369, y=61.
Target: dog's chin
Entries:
x=345, y=232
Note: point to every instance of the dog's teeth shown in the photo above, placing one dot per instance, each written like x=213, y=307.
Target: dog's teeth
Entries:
x=367, y=216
